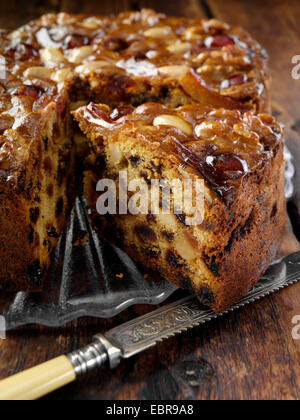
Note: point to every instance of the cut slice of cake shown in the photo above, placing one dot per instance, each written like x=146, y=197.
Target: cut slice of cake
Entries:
x=239, y=156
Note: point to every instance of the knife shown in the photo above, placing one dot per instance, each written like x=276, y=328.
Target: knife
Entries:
x=137, y=335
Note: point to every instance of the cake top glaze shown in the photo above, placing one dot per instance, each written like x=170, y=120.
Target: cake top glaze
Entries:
x=222, y=145
x=41, y=63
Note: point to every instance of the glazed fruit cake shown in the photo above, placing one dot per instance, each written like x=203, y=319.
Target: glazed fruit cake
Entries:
x=61, y=62
x=240, y=158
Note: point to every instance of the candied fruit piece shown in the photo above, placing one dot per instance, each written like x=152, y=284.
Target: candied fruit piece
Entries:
x=32, y=91
x=238, y=79
x=226, y=166
x=75, y=41
x=121, y=111
x=219, y=41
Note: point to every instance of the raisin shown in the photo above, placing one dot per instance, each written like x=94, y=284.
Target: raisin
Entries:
x=211, y=264
x=45, y=141
x=31, y=234
x=48, y=164
x=52, y=233
x=135, y=160
x=50, y=190
x=115, y=44
x=141, y=99
x=205, y=296
x=150, y=252
x=34, y=214
x=165, y=93
x=145, y=233
x=61, y=172
x=274, y=211
x=59, y=207
x=168, y=235
x=214, y=268
x=185, y=282
x=35, y=274
x=243, y=229
x=173, y=260
x=157, y=168
x=99, y=164
x=230, y=242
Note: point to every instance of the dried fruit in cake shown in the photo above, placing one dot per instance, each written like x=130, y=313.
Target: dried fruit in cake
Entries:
x=238, y=155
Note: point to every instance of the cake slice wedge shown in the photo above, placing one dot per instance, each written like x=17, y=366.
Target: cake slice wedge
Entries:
x=37, y=190
x=239, y=158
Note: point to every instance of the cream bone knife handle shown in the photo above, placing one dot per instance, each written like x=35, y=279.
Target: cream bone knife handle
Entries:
x=38, y=381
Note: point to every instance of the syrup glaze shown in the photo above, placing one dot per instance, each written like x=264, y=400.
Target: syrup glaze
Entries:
x=223, y=148
x=225, y=65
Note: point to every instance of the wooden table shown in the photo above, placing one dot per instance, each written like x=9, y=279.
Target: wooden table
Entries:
x=249, y=354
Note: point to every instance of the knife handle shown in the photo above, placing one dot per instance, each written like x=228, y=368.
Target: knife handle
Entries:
x=38, y=381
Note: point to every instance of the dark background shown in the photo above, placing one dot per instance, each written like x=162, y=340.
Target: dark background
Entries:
x=249, y=354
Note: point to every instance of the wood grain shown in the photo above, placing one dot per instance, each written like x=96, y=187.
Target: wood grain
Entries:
x=276, y=25
x=249, y=354
x=95, y=7
x=15, y=13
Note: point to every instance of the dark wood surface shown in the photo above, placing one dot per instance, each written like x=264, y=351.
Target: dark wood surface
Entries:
x=249, y=354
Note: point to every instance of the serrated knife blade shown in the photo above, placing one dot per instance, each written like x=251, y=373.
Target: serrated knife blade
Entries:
x=144, y=332
x=138, y=335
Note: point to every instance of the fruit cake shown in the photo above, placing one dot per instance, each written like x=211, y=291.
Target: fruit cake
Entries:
x=239, y=156
x=59, y=61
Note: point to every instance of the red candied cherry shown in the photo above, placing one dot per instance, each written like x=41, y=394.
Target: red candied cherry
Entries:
x=219, y=41
x=32, y=91
x=239, y=79
x=75, y=41
x=226, y=166
x=21, y=52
